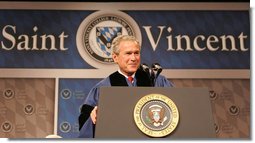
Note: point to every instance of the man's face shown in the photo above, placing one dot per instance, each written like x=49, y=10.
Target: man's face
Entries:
x=128, y=58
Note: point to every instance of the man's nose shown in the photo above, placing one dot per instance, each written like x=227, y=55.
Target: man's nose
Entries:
x=133, y=56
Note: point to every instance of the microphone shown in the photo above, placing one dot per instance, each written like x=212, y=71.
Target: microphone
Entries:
x=149, y=72
x=157, y=69
x=146, y=69
x=152, y=72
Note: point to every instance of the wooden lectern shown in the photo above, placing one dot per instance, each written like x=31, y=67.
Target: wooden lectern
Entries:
x=115, y=118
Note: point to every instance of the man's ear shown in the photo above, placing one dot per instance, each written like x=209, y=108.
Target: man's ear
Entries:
x=115, y=58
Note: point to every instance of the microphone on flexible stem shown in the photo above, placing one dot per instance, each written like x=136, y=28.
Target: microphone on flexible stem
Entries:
x=157, y=69
x=148, y=71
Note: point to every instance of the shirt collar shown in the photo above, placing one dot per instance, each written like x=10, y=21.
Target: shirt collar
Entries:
x=125, y=75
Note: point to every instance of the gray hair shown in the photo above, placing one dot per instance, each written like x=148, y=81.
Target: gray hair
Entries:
x=116, y=42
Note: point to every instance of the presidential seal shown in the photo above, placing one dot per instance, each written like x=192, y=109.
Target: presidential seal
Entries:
x=156, y=115
x=96, y=33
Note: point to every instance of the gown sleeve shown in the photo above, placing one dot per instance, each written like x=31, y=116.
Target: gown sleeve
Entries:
x=86, y=126
x=162, y=81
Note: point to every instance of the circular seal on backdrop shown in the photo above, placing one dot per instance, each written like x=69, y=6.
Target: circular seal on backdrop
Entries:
x=234, y=110
x=8, y=93
x=216, y=127
x=156, y=115
x=96, y=32
x=65, y=127
x=66, y=93
x=6, y=126
x=213, y=94
x=29, y=109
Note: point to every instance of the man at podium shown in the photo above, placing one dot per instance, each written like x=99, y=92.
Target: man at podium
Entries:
x=126, y=53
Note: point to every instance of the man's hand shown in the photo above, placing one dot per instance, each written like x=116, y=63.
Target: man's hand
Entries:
x=93, y=115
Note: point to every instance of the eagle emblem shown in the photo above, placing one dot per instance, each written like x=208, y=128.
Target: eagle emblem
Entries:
x=156, y=115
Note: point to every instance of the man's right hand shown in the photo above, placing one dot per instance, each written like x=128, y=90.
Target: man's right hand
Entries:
x=93, y=115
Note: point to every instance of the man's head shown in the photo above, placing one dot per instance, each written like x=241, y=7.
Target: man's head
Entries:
x=126, y=53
